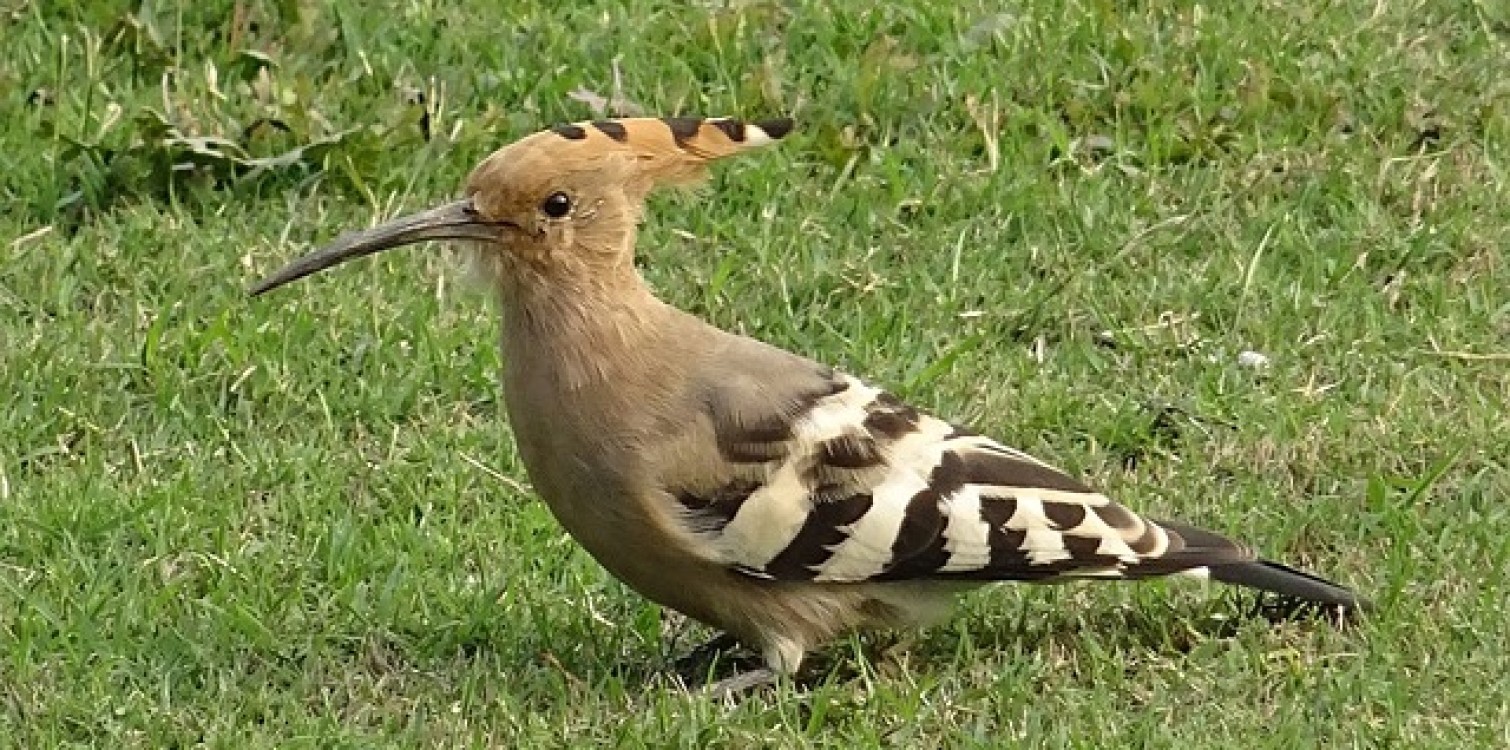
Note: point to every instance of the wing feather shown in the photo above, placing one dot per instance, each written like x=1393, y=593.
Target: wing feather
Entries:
x=847, y=483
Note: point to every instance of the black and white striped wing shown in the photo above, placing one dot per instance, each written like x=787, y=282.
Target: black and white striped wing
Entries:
x=850, y=484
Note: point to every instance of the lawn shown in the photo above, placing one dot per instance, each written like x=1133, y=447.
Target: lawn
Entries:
x=300, y=521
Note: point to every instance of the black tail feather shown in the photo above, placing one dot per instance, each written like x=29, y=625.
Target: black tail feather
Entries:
x=1291, y=584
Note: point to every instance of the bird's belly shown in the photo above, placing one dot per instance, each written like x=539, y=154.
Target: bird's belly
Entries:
x=757, y=611
x=604, y=514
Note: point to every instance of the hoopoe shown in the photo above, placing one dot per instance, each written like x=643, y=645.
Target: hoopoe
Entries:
x=752, y=489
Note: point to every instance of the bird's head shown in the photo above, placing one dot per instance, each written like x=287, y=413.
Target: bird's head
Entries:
x=559, y=204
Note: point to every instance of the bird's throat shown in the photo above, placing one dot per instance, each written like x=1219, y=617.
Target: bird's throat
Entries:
x=582, y=337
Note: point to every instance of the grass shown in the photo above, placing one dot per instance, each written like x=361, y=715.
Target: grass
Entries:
x=300, y=521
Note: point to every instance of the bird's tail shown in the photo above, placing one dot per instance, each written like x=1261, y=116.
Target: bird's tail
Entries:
x=1217, y=558
x=1289, y=583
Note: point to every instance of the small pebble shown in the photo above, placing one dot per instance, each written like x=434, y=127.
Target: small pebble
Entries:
x=1252, y=359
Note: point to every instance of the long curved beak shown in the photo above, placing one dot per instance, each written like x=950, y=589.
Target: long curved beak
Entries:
x=453, y=221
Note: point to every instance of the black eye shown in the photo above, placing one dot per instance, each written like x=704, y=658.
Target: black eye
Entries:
x=556, y=206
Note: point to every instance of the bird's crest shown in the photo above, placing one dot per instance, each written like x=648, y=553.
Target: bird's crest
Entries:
x=702, y=138
x=663, y=150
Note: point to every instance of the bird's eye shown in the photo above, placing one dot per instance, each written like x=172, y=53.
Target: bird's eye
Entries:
x=556, y=206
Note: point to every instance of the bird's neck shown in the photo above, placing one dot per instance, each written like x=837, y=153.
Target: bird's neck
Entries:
x=583, y=335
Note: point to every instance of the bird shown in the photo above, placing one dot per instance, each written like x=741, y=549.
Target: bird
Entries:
x=772, y=497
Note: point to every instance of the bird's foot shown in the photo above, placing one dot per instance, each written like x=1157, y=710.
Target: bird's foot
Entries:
x=700, y=667
x=741, y=683
x=695, y=664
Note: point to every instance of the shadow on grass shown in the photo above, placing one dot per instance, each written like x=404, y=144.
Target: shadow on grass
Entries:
x=1137, y=633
